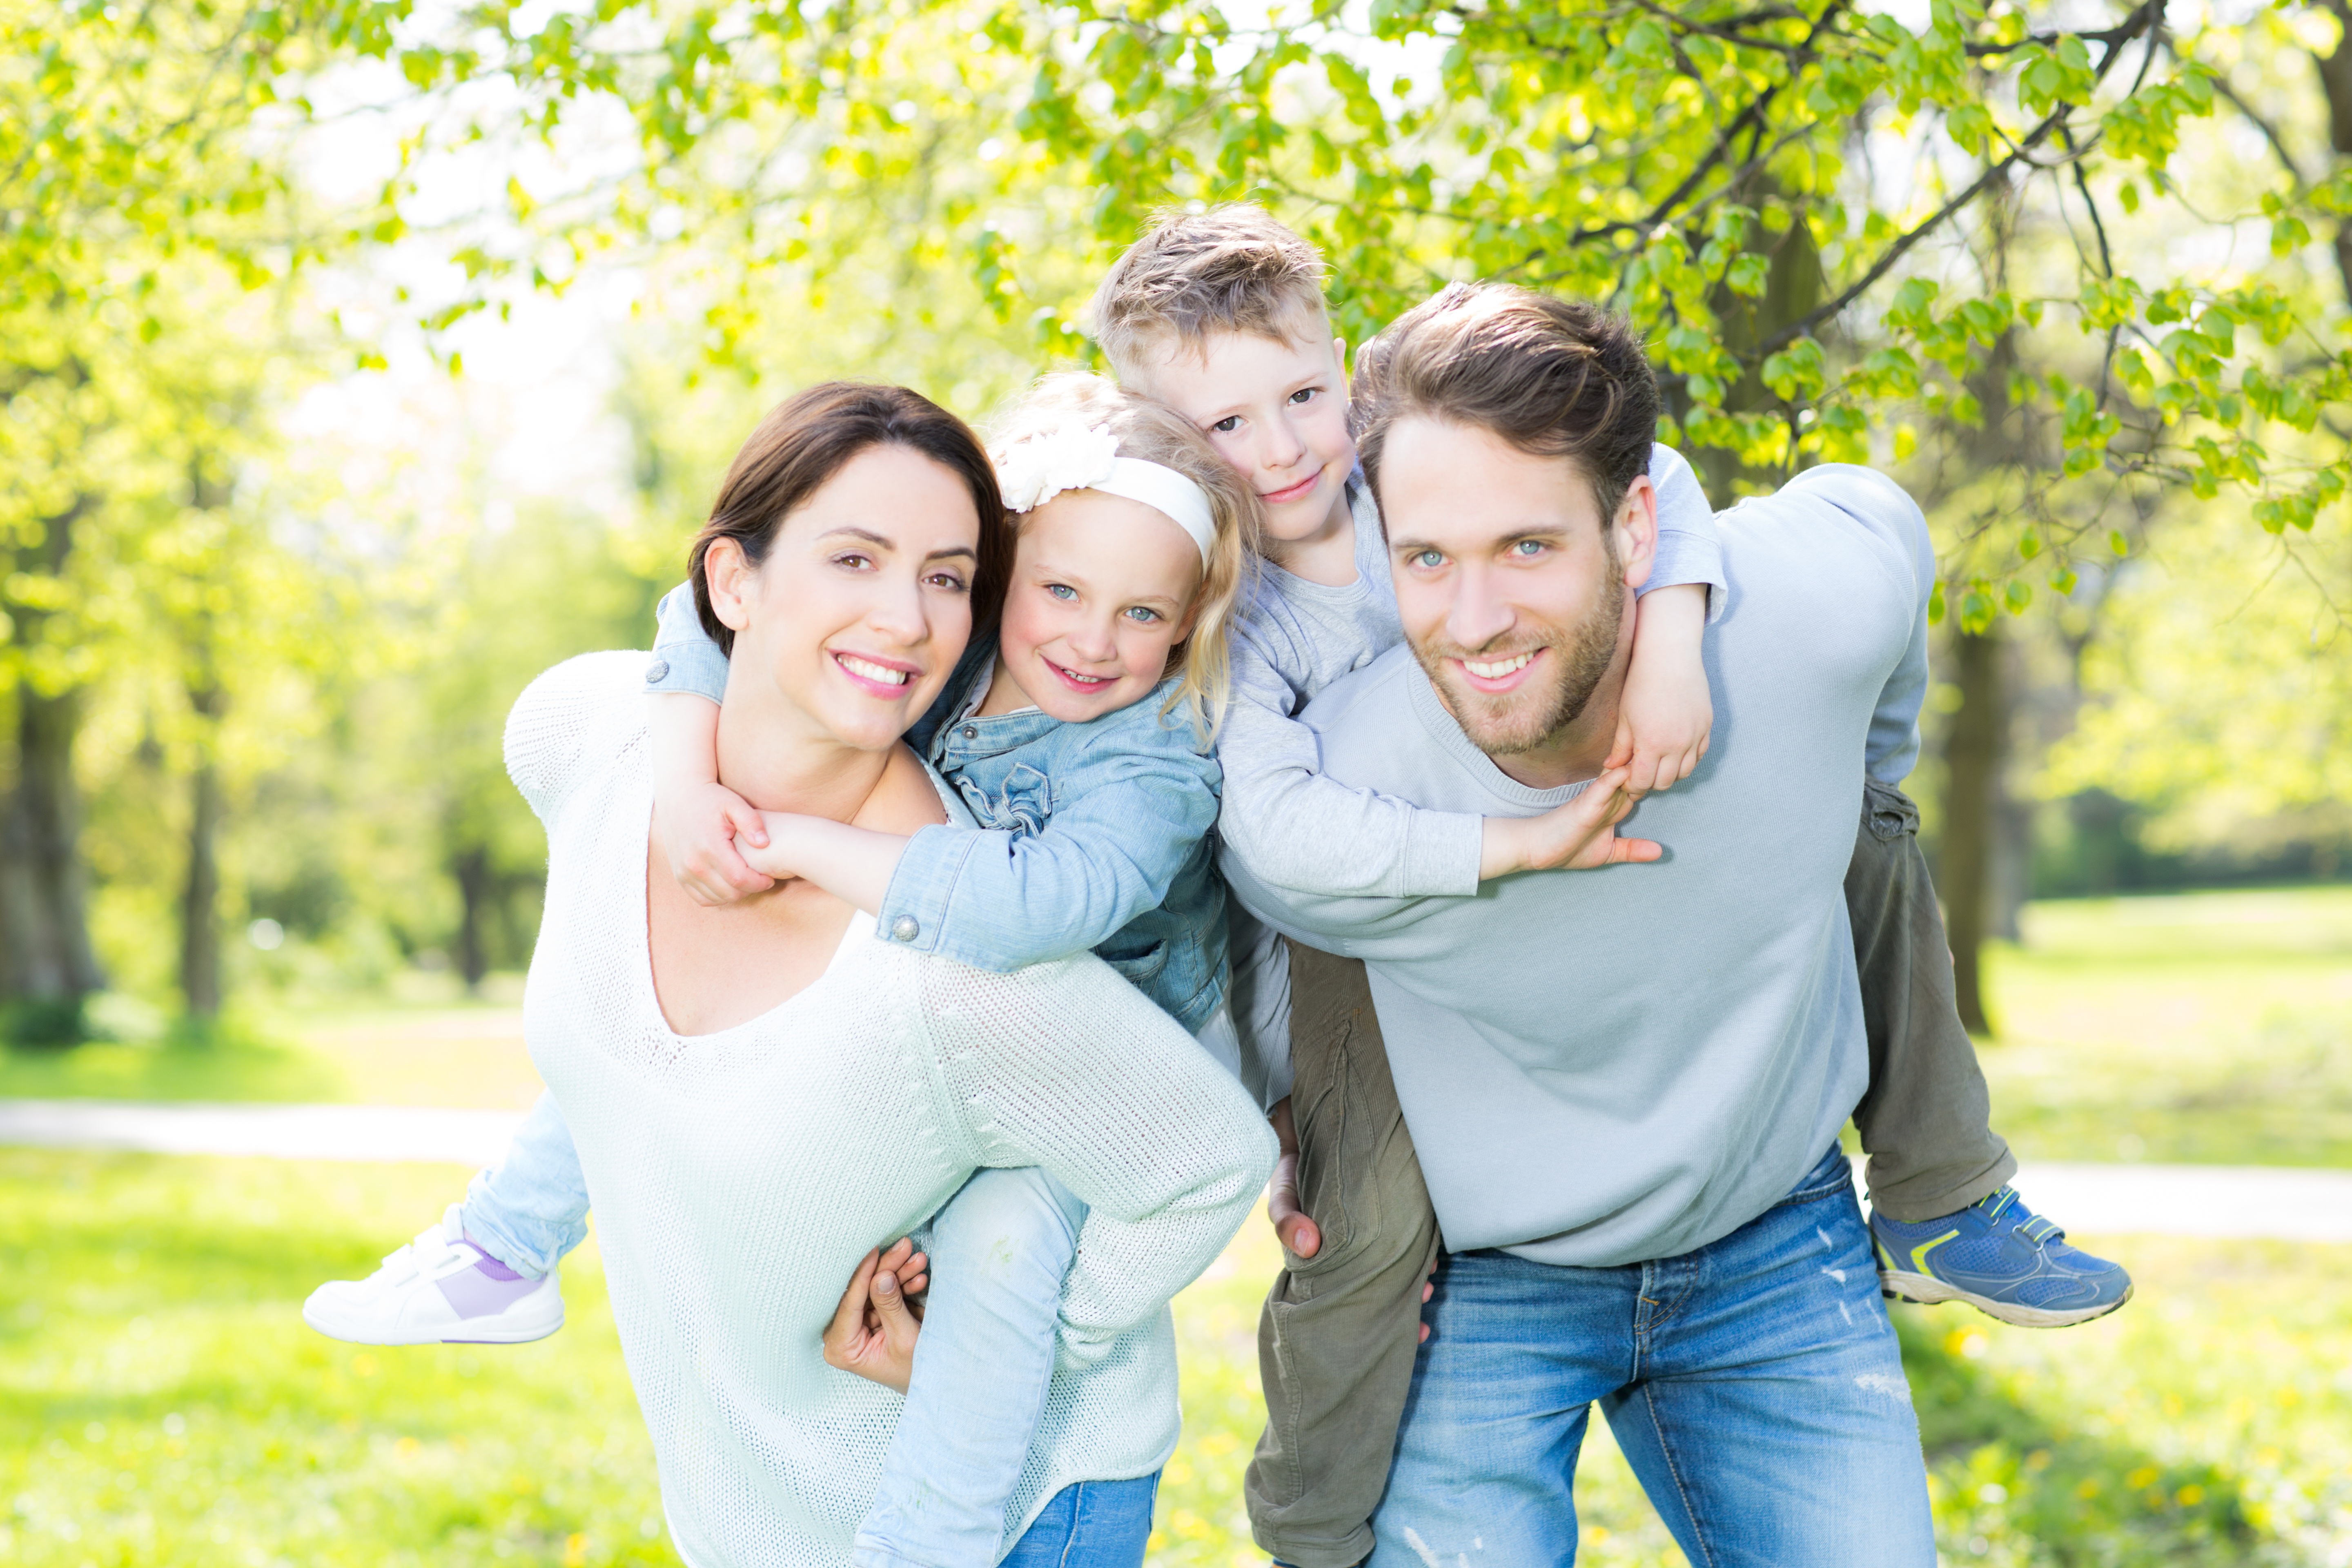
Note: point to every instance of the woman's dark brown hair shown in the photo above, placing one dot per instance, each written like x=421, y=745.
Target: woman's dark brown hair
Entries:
x=810, y=437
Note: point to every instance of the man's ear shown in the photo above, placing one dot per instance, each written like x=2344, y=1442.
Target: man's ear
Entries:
x=1637, y=530
x=732, y=580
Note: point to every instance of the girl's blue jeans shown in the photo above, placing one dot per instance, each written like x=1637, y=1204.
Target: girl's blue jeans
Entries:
x=999, y=1250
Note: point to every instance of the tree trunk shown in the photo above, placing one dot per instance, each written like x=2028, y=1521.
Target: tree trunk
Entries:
x=46, y=958
x=200, y=944
x=2335, y=82
x=46, y=965
x=473, y=892
x=1972, y=750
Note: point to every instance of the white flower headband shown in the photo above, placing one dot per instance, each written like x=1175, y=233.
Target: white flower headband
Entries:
x=1034, y=470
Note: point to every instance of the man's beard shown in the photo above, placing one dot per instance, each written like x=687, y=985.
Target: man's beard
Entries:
x=1522, y=720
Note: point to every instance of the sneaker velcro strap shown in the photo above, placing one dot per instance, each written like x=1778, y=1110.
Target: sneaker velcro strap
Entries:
x=2038, y=1229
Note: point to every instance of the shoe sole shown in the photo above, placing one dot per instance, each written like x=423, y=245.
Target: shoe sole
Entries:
x=1926, y=1291
x=493, y=1330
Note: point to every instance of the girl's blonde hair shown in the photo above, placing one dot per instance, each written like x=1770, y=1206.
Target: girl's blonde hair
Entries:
x=1156, y=433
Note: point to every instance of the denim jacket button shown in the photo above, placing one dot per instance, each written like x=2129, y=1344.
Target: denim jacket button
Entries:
x=905, y=928
x=971, y=731
x=658, y=670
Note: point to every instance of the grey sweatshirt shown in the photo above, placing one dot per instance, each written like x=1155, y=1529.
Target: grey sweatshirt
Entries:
x=1294, y=828
x=1606, y=1066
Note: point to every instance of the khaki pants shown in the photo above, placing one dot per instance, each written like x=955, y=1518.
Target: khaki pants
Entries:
x=1338, y=1334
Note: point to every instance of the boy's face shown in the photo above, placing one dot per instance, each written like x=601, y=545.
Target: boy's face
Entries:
x=1278, y=412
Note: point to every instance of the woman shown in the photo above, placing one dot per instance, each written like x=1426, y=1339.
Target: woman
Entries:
x=762, y=1092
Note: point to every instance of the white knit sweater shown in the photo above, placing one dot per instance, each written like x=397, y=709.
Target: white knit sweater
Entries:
x=738, y=1177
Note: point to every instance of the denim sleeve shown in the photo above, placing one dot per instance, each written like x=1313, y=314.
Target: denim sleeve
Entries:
x=999, y=903
x=685, y=658
x=1689, y=549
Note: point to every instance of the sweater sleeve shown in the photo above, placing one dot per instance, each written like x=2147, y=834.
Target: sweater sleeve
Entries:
x=1689, y=548
x=568, y=721
x=1065, y=1066
x=1293, y=827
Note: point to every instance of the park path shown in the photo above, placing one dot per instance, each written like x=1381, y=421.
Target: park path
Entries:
x=2280, y=1202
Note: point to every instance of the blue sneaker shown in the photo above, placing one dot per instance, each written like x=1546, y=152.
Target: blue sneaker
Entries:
x=2001, y=1258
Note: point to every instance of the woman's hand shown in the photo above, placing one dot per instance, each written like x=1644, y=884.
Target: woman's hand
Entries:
x=874, y=1330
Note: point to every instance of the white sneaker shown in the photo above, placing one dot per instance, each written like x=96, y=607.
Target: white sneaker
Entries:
x=437, y=1291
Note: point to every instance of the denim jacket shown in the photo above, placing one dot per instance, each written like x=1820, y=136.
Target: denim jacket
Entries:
x=1128, y=869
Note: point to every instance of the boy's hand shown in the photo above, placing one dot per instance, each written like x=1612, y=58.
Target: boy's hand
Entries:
x=1666, y=717
x=700, y=825
x=874, y=1330
x=1296, y=1232
x=1576, y=836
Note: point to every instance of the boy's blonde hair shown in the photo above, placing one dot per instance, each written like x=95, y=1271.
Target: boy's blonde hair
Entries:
x=1232, y=268
x=1156, y=433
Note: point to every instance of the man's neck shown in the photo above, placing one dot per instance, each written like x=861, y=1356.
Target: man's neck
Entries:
x=1578, y=750
x=780, y=762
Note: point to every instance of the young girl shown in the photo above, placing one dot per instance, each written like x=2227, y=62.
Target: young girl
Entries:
x=1080, y=736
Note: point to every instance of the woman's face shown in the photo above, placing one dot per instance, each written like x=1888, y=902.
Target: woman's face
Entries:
x=857, y=616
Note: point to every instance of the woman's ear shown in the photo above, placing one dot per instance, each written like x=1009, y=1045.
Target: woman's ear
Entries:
x=732, y=580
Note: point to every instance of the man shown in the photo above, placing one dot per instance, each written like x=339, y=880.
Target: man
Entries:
x=1626, y=1086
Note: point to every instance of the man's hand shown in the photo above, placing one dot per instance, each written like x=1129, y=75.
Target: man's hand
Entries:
x=1666, y=716
x=700, y=826
x=1296, y=1232
x=874, y=1330
x=1576, y=836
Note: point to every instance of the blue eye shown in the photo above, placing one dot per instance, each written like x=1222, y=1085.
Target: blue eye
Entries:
x=1427, y=559
x=1141, y=616
x=1525, y=547
x=1228, y=425
x=1062, y=591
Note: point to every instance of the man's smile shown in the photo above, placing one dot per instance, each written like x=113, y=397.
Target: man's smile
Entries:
x=1498, y=673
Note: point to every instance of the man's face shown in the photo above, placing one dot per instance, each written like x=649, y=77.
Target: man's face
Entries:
x=1512, y=590
x=1277, y=411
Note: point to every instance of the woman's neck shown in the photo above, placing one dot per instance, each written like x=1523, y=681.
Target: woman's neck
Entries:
x=777, y=765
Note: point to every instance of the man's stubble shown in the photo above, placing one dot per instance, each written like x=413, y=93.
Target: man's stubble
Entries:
x=1522, y=721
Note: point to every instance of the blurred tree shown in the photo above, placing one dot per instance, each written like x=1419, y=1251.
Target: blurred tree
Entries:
x=141, y=195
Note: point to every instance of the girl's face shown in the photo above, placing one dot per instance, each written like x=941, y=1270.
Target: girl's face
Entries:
x=1102, y=589
x=853, y=623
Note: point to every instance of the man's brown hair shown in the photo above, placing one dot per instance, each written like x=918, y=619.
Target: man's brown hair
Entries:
x=1553, y=377
x=1232, y=268
x=811, y=437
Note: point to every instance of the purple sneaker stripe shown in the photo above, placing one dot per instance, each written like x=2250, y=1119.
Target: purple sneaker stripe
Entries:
x=474, y=1294
x=491, y=1265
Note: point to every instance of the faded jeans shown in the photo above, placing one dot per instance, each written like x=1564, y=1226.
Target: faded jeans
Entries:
x=1754, y=1385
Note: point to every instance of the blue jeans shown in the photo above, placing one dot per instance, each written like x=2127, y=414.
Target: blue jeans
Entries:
x=1090, y=1524
x=1754, y=1385
x=999, y=1250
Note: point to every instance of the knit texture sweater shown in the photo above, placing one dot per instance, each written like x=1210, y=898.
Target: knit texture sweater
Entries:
x=738, y=1177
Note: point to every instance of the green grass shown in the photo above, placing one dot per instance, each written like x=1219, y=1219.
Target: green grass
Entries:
x=2201, y=1027
x=161, y=1403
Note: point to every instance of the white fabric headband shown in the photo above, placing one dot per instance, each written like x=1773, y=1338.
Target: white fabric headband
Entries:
x=1031, y=472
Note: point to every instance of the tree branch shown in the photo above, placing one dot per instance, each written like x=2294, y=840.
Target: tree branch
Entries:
x=2141, y=19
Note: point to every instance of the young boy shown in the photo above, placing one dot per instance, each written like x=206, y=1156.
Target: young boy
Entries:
x=1220, y=315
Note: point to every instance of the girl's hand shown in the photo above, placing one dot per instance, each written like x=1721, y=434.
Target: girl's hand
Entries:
x=700, y=825
x=874, y=1330
x=1576, y=836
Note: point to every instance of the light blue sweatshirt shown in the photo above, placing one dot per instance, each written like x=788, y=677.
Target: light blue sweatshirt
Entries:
x=1608, y=1067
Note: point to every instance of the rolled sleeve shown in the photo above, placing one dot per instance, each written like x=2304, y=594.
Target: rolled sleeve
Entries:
x=685, y=661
